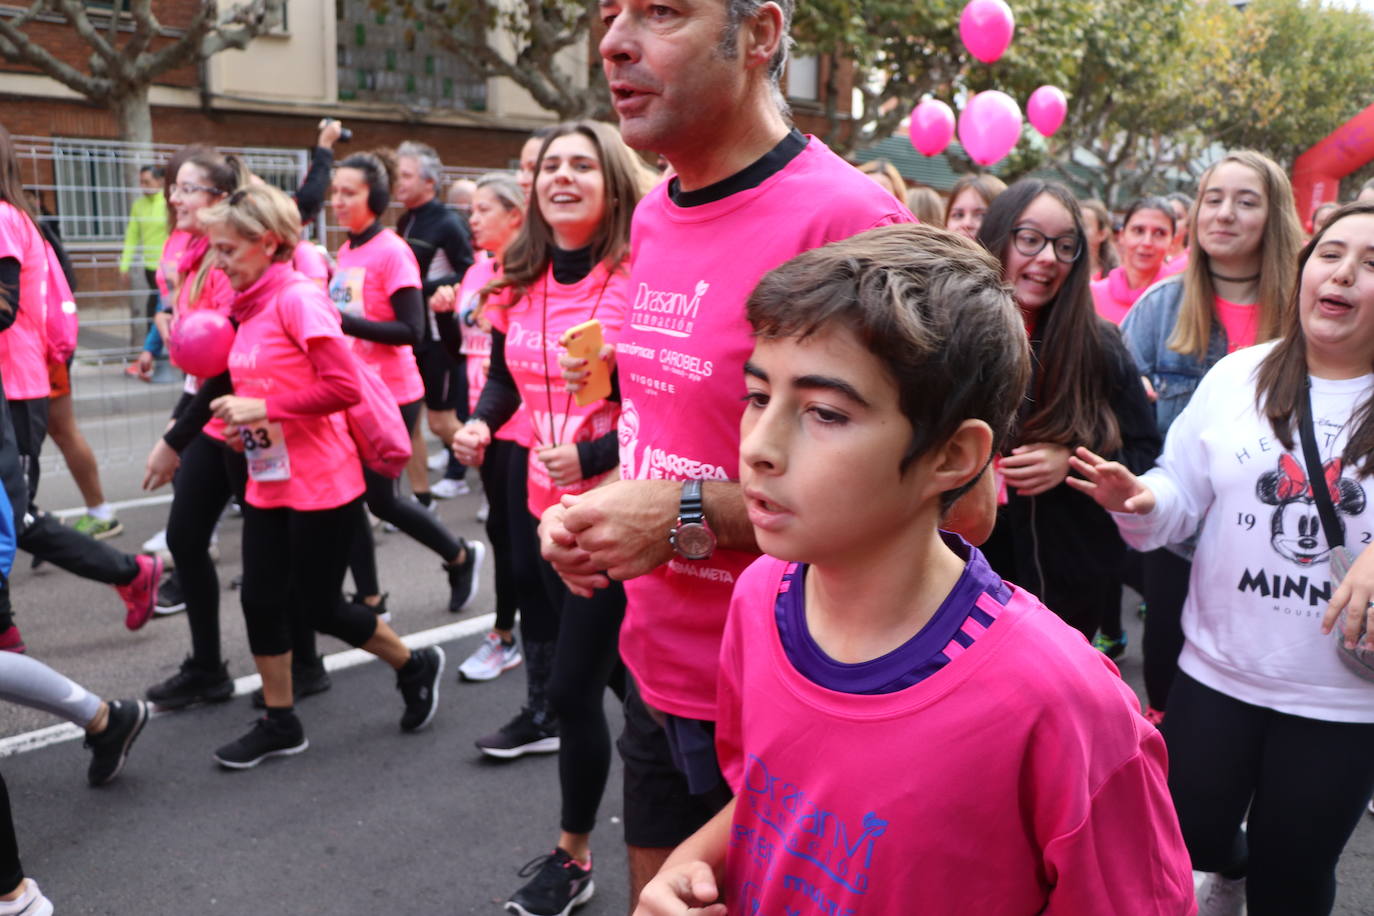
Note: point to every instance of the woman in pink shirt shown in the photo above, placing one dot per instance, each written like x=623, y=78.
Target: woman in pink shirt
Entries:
x=567, y=266
x=293, y=375
x=376, y=287
x=1144, y=242
x=208, y=472
x=498, y=213
x=1232, y=294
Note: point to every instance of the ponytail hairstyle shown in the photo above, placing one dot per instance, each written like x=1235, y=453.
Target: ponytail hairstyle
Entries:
x=226, y=174
x=1278, y=253
x=1106, y=251
x=1281, y=380
x=1070, y=387
x=626, y=180
x=378, y=169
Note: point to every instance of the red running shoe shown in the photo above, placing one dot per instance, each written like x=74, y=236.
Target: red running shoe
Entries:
x=140, y=595
x=11, y=641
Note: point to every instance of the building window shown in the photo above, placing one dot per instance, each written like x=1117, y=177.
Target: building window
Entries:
x=385, y=57
x=804, y=78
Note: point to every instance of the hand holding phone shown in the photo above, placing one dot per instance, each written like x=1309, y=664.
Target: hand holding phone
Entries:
x=584, y=342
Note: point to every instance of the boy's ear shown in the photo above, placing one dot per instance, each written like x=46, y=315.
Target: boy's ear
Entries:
x=962, y=455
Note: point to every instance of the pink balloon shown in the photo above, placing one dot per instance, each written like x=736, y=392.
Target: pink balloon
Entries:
x=989, y=126
x=1046, y=109
x=932, y=127
x=200, y=343
x=986, y=27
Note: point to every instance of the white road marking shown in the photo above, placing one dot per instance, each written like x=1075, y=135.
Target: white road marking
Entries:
x=350, y=658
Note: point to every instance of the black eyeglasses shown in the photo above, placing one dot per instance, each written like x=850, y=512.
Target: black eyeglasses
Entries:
x=1030, y=242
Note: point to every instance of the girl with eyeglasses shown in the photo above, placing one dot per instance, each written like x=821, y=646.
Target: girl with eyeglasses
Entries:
x=1050, y=538
x=1231, y=295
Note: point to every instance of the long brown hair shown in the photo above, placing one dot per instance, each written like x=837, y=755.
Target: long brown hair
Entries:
x=11, y=180
x=1278, y=250
x=529, y=254
x=1282, y=376
x=1070, y=403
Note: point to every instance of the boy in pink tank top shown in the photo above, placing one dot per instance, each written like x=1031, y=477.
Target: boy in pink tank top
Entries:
x=962, y=749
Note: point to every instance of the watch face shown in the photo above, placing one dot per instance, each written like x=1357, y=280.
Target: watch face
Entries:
x=694, y=541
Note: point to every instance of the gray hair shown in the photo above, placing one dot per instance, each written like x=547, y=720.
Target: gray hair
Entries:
x=431, y=169
x=505, y=187
x=736, y=12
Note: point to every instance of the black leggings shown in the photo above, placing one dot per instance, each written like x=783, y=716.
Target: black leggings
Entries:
x=538, y=607
x=501, y=491
x=209, y=474
x=384, y=501
x=1304, y=782
x=584, y=662
x=1166, y=588
x=11, y=872
x=293, y=565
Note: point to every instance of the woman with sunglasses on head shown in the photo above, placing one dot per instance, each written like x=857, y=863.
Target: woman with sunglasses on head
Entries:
x=208, y=472
x=1232, y=294
x=292, y=376
x=567, y=266
x=1050, y=538
x=1146, y=234
x=376, y=287
x=1270, y=731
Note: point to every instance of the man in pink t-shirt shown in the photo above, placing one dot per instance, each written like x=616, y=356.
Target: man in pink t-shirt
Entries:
x=703, y=94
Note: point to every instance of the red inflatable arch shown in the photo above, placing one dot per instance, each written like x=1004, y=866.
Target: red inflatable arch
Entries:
x=1317, y=173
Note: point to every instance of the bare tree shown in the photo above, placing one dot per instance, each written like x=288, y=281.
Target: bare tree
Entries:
x=131, y=49
x=539, y=31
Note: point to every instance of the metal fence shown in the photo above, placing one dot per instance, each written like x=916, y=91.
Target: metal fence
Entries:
x=83, y=190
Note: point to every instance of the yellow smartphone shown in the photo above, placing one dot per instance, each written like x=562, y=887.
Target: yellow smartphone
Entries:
x=584, y=341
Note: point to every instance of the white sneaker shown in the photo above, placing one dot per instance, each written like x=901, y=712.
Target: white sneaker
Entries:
x=1220, y=896
x=491, y=658
x=484, y=512
x=1371, y=806
x=30, y=903
x=448, y=488
x=438, y=461
x=157, y=543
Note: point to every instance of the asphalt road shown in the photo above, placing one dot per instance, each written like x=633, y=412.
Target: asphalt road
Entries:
x=367, y=821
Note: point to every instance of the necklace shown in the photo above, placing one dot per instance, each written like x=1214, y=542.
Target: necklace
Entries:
x=1217, y=276
x=557, y=439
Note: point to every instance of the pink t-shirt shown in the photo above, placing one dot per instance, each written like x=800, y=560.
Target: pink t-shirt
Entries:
x=477, y=345
x=172, y=250
x=307, y=464
x=533, y=327
x=1241, y=322
x=309, y=260
x=24, y=347
x=364, y=279
x=680, y=359
x=1113, y=295
x=1020, y=778
x=215, y=293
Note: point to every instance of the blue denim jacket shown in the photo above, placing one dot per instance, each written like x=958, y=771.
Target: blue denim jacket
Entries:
x=1175, y=376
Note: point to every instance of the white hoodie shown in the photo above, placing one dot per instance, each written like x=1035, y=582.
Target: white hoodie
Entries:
x=1261, y=578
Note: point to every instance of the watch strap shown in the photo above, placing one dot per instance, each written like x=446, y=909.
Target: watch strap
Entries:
x=692, y=507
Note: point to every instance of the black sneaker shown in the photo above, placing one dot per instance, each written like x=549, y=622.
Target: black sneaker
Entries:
x=110, y=748
x=306, y=681
x=192, y=684
x=267, y=738
x=379, y=608
x=464, y=578
x=524, y=734
x=559, y=886
x=420, y=690
x=170, y=600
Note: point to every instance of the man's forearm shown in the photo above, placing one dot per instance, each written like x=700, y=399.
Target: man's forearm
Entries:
x=728, y=516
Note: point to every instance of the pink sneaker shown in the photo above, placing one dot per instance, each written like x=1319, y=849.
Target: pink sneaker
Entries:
x=11, y=641
x=140, y=595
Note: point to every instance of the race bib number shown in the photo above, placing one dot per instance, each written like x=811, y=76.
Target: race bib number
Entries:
x=346, y=289
x=264, y=448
